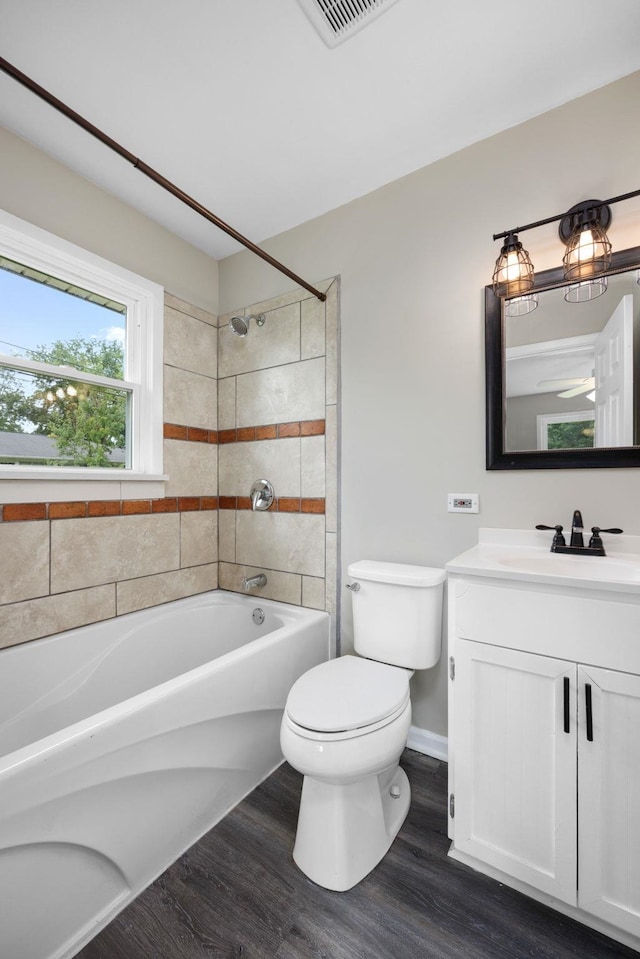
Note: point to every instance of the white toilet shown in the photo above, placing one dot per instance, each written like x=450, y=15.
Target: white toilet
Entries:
x=346, y=723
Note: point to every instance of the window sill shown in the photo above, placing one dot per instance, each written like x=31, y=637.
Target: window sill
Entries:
x=37, y=485
x=84, y=474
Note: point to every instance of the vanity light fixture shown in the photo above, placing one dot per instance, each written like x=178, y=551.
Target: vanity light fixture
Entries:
x=583, y=230
x=513, y=274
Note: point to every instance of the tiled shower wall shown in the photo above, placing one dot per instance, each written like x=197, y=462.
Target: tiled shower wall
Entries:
x=277, y=420
x=64, y=565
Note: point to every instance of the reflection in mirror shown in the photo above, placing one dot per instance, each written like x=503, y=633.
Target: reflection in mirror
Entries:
x=553, y=398
x=563, y=381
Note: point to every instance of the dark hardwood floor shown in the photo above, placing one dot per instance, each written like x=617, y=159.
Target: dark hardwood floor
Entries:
x=237, y=893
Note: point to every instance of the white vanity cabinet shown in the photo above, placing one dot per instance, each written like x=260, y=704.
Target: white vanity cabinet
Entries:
x=544, y=740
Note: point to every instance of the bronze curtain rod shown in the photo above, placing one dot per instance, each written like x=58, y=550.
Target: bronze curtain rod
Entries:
x=148, y=171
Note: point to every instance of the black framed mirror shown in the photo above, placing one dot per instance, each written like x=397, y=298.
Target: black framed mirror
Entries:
x=548, y=405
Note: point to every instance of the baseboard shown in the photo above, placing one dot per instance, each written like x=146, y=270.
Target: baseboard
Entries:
x=428, y=743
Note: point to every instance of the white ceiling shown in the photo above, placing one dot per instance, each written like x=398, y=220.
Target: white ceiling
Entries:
x=241, y=104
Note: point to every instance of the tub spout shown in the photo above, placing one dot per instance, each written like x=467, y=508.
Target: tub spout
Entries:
x=252, y=582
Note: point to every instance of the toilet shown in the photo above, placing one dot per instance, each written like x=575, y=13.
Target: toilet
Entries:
x=346, y=723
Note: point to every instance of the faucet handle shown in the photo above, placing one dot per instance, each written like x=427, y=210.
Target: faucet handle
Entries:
x=596, y=542
x=558, y=539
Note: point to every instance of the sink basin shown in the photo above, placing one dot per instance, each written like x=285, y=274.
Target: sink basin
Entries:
x=524, y=555
x=579, y=567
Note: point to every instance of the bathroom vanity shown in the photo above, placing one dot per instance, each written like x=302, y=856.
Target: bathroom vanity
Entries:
x=544, y=723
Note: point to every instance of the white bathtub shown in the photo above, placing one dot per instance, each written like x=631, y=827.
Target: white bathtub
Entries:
x=123, y=742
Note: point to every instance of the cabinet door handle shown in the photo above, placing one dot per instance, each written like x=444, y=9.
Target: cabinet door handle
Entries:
x=589, y=705
x=567, y=717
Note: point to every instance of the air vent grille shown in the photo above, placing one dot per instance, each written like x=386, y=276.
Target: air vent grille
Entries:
x=337, y=20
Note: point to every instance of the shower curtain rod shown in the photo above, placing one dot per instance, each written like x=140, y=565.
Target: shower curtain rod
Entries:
x=148, y=171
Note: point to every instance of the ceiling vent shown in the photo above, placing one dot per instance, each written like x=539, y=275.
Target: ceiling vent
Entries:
x=337, y=20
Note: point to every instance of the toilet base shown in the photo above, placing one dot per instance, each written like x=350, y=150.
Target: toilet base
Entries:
x=344, y=830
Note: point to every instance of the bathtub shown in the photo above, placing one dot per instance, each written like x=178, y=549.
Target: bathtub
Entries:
x=123, y=742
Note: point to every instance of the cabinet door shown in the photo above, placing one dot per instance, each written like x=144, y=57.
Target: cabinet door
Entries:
x=515, y=765
x=609, y=797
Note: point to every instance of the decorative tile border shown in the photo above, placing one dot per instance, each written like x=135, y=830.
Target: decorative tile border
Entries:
x=244, y=434
x=192, y=434
x=20, y=512
x=282, y=504
x=274, y=431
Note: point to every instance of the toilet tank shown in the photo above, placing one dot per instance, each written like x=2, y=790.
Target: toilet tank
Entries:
x=397, y=613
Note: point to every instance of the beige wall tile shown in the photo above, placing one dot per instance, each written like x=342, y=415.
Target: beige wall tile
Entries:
x=190, y=398
x=275, y=460
x=227, y=535
x=190, y=344
x=291, y=542
x=175, y=303
x=198, y=538
x=89, y=552
x=293, y=296
x=273, y=344
x=20, y=622
x=283, y=587
x=165, y=587
x=312, y=468
x=227, y=403
x=331, y=467
x=282, y=394
x=24, y=561
x=332, y=307
x=312, y=332
x=313, y=592
x=192, y=468
x=277, y=302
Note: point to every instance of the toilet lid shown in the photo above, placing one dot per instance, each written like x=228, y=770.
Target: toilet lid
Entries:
x=347, y=693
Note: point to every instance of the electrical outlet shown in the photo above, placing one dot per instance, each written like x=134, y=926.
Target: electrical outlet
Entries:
x=463, y=503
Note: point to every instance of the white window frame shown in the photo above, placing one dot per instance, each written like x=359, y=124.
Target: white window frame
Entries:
x=144, y=300
x=544, y=420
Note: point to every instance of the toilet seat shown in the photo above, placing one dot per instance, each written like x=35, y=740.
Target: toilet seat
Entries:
x=347, y=697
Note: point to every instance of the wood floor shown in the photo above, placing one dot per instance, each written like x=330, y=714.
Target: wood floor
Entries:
x=237, y=893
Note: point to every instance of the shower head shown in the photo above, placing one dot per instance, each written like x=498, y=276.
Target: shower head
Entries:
x=240, y=324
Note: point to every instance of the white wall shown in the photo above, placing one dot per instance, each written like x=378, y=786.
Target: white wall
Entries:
x=414, y=257
x=42, y=191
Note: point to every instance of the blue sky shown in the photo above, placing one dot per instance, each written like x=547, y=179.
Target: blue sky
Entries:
x=32, y=315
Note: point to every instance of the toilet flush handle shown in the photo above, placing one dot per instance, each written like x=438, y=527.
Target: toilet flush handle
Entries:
x=354, y=587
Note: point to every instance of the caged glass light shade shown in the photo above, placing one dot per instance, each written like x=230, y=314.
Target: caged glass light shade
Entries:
x=513, y=273
x=588, y=251
x=521, y=305
x=587, y=290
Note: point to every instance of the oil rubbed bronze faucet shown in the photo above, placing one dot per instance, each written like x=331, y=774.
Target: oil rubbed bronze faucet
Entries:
x=576, y=530
x=576, y=545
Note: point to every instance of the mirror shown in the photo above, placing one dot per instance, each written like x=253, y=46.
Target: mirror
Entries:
x=563, y=382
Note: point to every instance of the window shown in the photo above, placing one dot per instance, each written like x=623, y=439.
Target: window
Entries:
x=566, y=431
x=80, y=363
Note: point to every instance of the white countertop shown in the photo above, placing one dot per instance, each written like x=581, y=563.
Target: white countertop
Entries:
x=525, y=556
